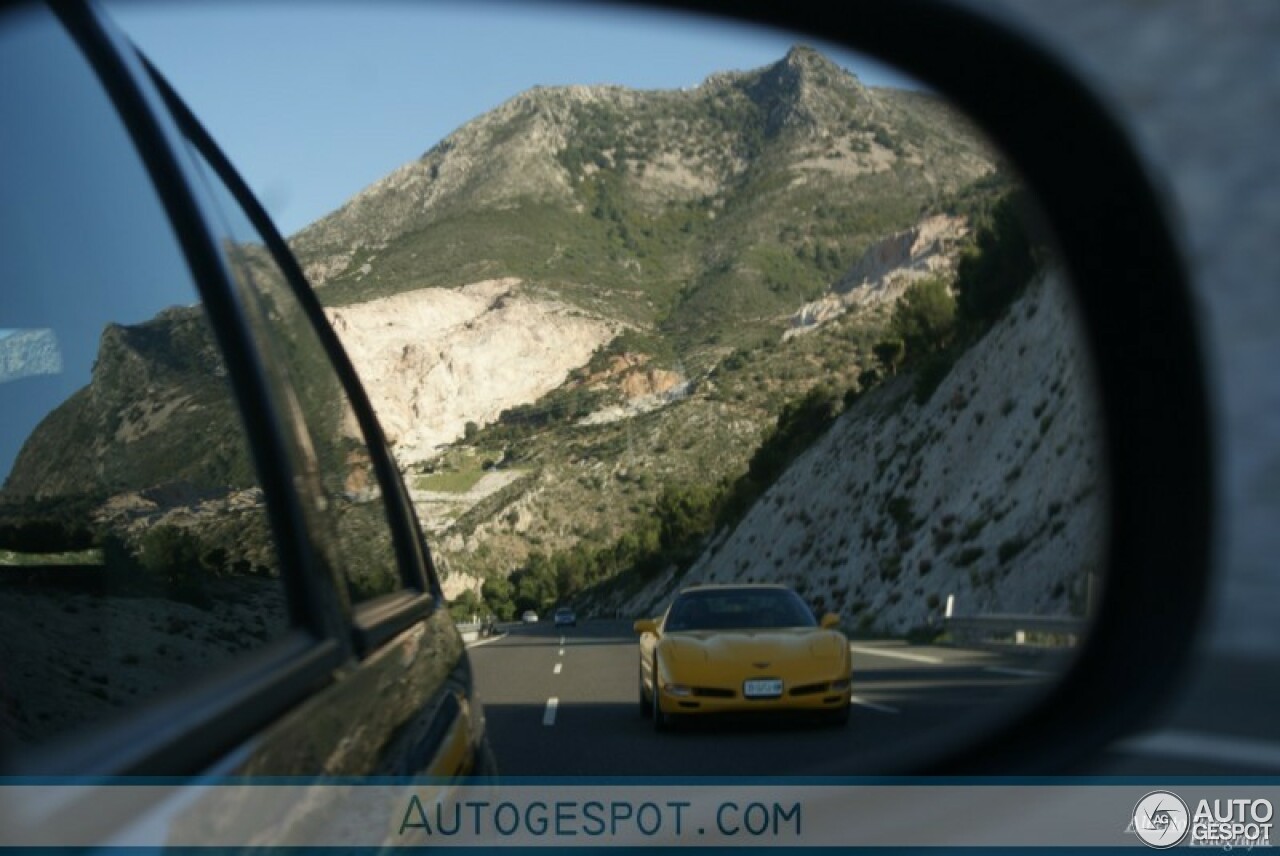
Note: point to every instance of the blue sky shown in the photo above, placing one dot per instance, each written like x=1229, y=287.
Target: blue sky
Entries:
x=314, y=101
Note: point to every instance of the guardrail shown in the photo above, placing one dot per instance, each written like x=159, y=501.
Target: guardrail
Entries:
x=1015, y=629
x=473, y=630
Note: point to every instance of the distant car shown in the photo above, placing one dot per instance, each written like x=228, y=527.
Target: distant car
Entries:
x=529, y=617
x=730, y=649
x=565, y=617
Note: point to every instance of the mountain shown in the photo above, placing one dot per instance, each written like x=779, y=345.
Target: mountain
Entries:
x=702, y=214
x=578, y=317
x=157, y=392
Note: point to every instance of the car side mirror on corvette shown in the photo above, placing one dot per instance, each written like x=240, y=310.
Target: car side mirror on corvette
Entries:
x=646, y=625
x=829, y=621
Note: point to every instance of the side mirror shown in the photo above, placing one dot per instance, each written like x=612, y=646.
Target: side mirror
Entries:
x=646, y=625
x=830, y=621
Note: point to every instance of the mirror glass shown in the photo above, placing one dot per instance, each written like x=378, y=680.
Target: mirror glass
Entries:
x=646, y=303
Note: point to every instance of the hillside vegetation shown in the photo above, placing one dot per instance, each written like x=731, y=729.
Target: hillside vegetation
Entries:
x=702, y=215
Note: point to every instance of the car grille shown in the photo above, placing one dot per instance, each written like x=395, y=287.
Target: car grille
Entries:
x=713, y=692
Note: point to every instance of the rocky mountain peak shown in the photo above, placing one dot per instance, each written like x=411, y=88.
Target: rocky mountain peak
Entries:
x=805, y=90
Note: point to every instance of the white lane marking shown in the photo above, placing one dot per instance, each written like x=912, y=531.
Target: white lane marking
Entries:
x=561, y=640
x=480, y=642
x=1017, y=673
x=549, y=715
x=1202, y=746
x=556, y=670
x=561, y=654
x=883, y=708
x=881, y=652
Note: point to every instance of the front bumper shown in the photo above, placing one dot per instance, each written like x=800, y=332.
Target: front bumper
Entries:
x=811, y=696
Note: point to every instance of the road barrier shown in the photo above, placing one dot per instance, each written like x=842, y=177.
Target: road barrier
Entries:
x=1015, y=628
x=1018, y=629
x=473, y=630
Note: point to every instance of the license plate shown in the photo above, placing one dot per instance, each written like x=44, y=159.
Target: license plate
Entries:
x=762, y=688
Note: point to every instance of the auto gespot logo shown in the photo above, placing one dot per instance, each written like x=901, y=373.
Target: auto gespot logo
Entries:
x=1161, y=819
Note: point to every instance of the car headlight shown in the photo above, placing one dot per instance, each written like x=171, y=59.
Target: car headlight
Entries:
x=677, y=690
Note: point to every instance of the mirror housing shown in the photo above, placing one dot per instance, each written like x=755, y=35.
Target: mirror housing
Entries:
x=829, y=621
x=646, y=625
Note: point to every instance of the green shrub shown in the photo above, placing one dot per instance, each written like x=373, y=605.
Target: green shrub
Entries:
x=924, y=317
x=1000, y=264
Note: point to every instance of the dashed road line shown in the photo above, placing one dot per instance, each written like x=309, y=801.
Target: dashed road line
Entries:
x=556, y=670
x=561, y=654
x=881, y=652
x=549, y=715
x=862, y=702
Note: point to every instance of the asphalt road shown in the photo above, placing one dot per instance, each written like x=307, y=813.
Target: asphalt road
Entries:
x=564, y=702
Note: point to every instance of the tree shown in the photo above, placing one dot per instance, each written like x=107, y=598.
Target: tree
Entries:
x=466, y=605
x=889, y=354
x=535, y=584
x=924, y=317
x=999, y=265
x=686, y=513
x=498, y=593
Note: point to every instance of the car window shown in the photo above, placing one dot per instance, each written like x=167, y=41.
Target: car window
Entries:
x=135, y=550
x=351, y=510
x=743, y=609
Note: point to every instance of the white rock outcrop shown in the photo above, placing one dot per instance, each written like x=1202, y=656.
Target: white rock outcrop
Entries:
x=434, y=359
x=887, y=269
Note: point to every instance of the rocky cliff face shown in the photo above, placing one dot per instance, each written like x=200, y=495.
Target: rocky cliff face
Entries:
x=158, y=391
x=991, y=490
x=887, y=269
x=435, y=359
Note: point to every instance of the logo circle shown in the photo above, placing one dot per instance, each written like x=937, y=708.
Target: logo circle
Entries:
x=1161, y=820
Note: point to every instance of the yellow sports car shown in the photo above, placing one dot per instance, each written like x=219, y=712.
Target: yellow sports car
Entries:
x=737, y=648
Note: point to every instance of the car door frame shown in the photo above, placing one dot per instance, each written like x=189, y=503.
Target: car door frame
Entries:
x=195, y=727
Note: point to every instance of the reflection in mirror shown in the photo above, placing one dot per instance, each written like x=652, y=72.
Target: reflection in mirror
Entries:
x=135, y=552
x=771, y=324
x=351, y=513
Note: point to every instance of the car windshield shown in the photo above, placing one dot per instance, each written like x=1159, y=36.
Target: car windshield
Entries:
x=738, y=609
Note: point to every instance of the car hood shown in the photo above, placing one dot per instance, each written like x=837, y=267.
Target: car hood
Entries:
x=777, y=646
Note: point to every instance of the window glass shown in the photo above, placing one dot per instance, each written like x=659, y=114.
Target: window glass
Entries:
x=135, y=551
x=351, y=509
